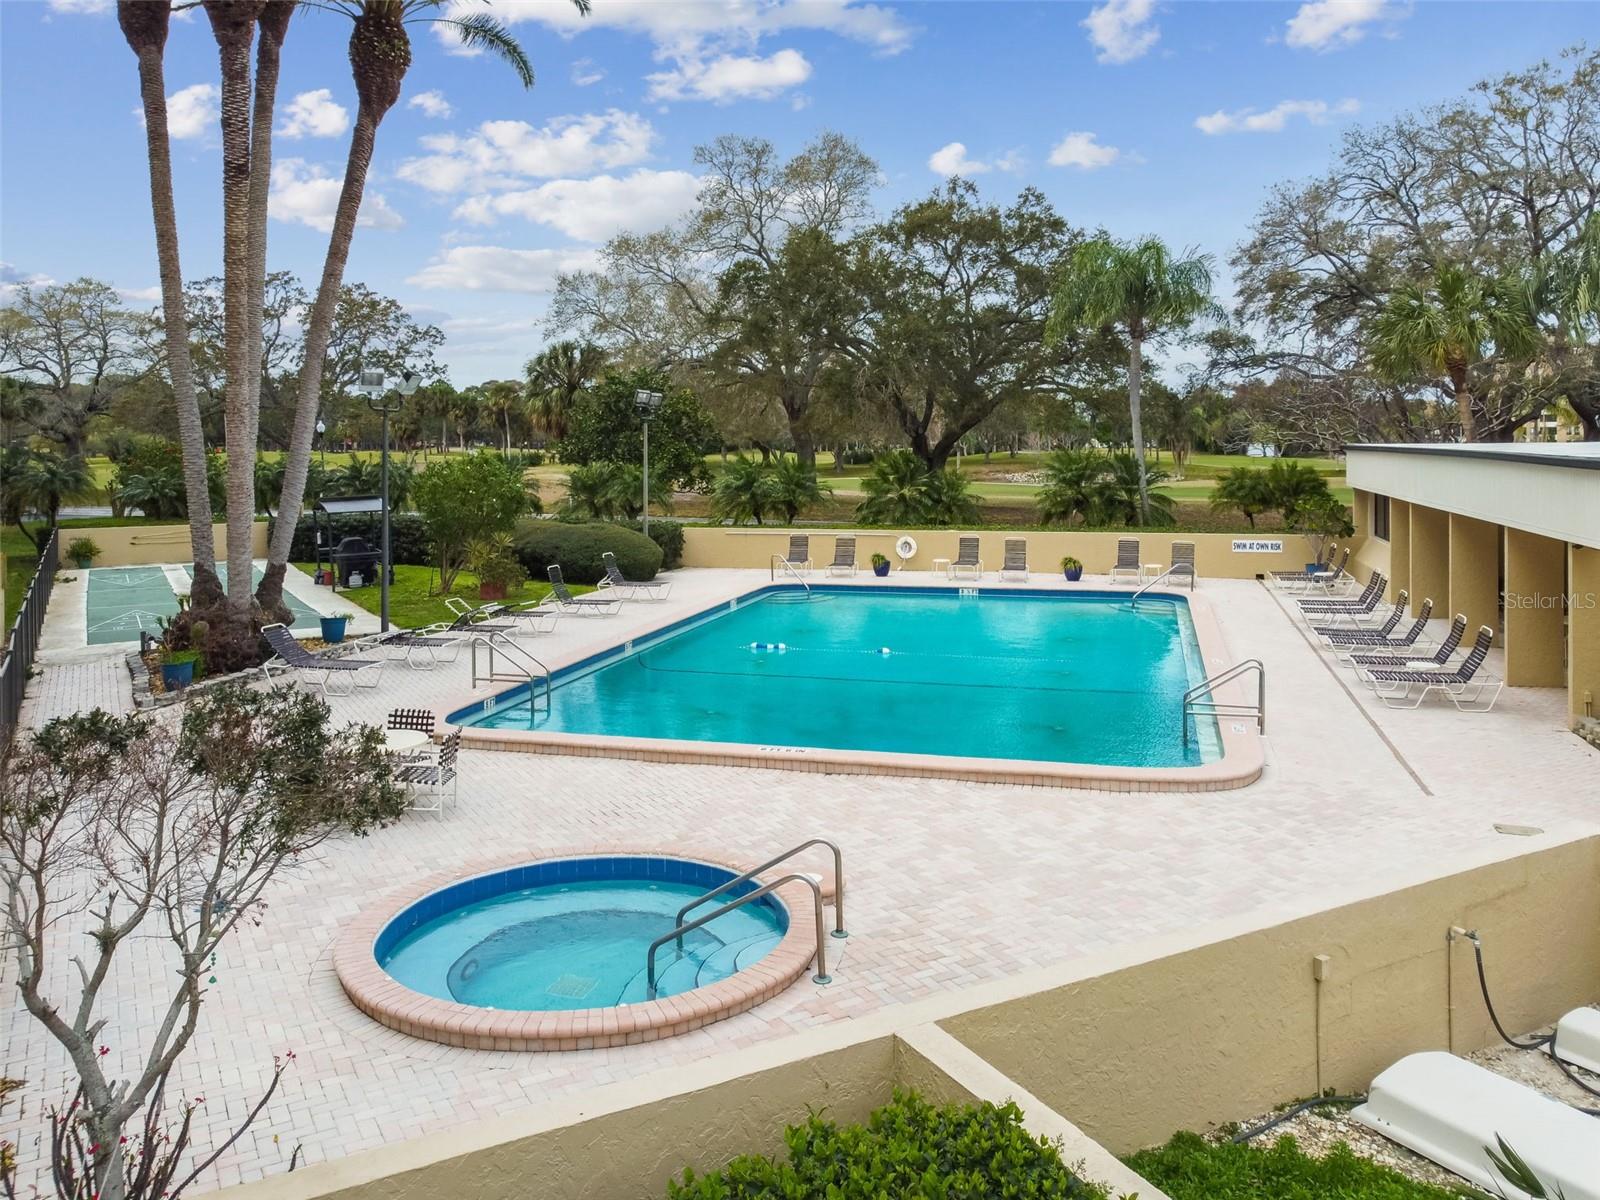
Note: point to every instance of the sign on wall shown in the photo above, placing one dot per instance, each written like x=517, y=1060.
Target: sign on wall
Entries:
x=1258, y=545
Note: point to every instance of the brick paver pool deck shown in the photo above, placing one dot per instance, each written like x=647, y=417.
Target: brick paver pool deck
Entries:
x=951, y=883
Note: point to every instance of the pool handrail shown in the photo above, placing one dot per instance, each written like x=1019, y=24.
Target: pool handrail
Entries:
x=515, y=655
x=1179, y=567
x=810, y=881
x=779, y=560
x=1196, y=702
x=838, y=883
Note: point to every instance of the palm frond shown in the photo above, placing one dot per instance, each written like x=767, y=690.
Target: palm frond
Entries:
x=480, y=31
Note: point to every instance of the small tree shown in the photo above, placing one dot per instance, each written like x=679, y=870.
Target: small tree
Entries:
x=465, y=498
x=1243, y=488
x=1320, y=520
x=603, y=425
x=140, y=828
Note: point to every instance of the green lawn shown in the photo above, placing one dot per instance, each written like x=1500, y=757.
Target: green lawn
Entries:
x=20, y=563
x=1191, y=1168
x=412, y=602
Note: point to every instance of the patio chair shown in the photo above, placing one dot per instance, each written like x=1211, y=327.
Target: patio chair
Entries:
x=1385, y=660
x=1303, y=577
x=1183, y=563
x=421, y=649
x=1364, y=603
x=497, y=617
x=966, y=564
x=587, y=606
x=799, y=556
x=1127, y=560
x=1016, y=560
x=319, y=669
x=1465, y=686
x=652, y=589
x=421, y=720
x=1368, y=621
x=1345, y=642
x=433, y=776
x=844, y=556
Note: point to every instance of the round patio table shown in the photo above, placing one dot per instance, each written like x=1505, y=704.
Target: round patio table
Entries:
x=403, y=741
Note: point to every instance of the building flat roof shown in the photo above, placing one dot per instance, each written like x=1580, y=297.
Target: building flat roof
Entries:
x=1582, y=455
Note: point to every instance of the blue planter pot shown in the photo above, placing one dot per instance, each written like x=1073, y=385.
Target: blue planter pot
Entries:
x=1313, y=568
x=880, y=569
x=1074, y=575
x=333, y=629
x=177, y=676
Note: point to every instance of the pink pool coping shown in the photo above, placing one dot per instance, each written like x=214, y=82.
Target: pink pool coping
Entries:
x=391, y=1003
x=1240, y=764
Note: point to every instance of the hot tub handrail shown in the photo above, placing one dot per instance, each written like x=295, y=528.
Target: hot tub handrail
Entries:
x=816, y=895
x=838, y=883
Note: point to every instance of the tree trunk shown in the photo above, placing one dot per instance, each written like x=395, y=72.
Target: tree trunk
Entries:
x=508, y=430
x=233, y=25
x=1135, y=380
x=1463, y=398
x=380, y=53
x=145, y=27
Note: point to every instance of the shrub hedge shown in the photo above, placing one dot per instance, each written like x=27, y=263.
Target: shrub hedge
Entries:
x=908, y=1148
x=578, y=547
x=669, y=536
x=408, y=540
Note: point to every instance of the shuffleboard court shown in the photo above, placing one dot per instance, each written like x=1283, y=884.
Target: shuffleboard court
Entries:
x=305, y=618
x=124, y=602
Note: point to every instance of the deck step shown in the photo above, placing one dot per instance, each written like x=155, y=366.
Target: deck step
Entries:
x=1449, y=1110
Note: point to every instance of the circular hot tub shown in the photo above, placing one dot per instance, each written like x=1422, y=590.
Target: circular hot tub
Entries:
x=555, y=954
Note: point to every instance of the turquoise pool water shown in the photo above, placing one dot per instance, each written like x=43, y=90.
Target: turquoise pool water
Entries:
x=1037, y=676
x=573, y=934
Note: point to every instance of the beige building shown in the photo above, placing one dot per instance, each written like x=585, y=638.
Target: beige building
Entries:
x=1507, y=533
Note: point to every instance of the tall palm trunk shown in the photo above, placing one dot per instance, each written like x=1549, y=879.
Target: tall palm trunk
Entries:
x=233, y=25
x=1463, y=398
x=145, y=24
x=380, y=53
x=1135, y=382
x=274, y=25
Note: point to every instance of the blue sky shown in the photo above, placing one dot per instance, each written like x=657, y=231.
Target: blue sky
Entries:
x=1136, y=115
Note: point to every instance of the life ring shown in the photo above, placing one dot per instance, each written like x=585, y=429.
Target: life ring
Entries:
x=906, y=547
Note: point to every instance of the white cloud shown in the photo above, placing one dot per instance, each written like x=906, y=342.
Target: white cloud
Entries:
x=592, y=210
x=498, y=269
x=506, y=153
x=314, y=114
x=11, y=278
x=730, y=77
x=80, y=6
x=1083, y=150
x=1122, y=30
x=951, y=159
x=306, y=193
x=585, y=73
x=432, y=104
x=192, y=112
x=1273, y=120
x=1331, y=24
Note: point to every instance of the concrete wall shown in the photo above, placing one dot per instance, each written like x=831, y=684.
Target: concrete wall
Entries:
x=1205, y=1025
x=136, y=545
x=1535, y=618
x=1372, y=553
x=1475, y=572
x=710, y=546
x=1239, y=1025
x=1430, y=560
x=1583, y=631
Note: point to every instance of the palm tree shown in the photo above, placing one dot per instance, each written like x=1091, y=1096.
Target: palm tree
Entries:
x=380, y=55
x=1140, y=291
x=796, y=487
x=591, y=492
x=1243, y=488
x=144, y=26
x=557, y=376
x=40, y=483
x=1123, y=492
x=1069, y=491
x=949, y=498
x=1450, y=325
x=500, y=398
x=745, y=491
x=896, y=491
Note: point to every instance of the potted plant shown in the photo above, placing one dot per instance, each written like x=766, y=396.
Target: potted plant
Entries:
x=333, y=627
x=880, y=565
x=496, y=565
x=178, y=668
x=82, y=551
x=1072, y=569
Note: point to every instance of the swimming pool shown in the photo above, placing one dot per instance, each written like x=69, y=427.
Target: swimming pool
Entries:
x=970, y=672
x=574, y=934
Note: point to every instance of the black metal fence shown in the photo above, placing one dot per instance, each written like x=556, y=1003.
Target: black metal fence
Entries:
x=24, y=639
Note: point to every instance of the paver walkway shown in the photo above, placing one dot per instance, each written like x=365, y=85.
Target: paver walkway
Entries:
x=950, y=883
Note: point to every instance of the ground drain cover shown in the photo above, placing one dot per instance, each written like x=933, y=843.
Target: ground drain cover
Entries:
x=572, y=987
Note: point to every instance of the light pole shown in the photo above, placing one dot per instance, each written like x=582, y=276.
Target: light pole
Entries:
x=647, y=403
x=378, y=393
x=321, y=441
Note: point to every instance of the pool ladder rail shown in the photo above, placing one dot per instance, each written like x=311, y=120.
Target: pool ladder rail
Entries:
x=1201, y=700
x=1180, y=568
x=779, y=560
x=526, y=667
x=810, y=881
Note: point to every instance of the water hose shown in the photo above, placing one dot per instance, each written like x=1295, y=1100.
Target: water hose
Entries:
x=1290, y=1114
x=1546, y=1042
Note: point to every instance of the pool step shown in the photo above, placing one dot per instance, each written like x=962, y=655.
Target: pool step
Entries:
x=674, y=973
x=735, y=956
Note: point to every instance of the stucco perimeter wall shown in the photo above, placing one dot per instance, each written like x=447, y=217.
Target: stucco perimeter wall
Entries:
x=1211, y=1033
x=1371, y=553
x=136, y=545
x=1215, y=556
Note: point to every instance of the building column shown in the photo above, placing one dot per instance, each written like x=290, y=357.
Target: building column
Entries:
x=1400, y=551
x=1583, y=631
x=1475, y=572
x=1430, y=560
x=1536, y=571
